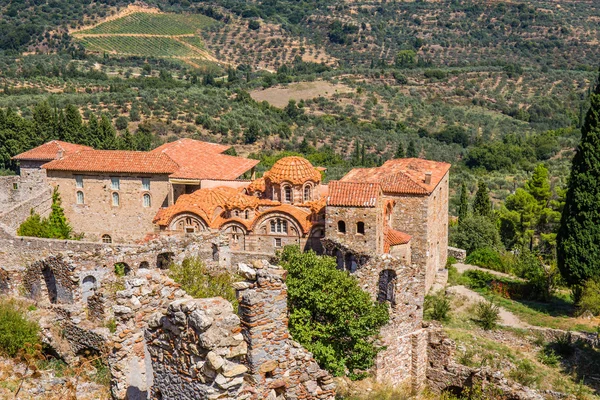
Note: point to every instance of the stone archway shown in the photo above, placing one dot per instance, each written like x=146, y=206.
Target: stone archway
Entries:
x=88, y=287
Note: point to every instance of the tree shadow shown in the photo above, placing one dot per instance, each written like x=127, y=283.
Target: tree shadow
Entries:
x=556, y=307
x=580, y=359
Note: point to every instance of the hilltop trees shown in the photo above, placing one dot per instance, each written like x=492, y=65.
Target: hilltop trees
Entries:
x=578, y=241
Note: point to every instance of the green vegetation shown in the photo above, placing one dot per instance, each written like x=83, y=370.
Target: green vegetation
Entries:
x=330, y=314
x=141, y=46
x=153, y=24
x=437, y=306
x=200, y=282
x=17, y=333
x=55, y=226
x=488, y=315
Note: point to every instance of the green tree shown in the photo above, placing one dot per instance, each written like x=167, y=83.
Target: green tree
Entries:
x=400, y=151
x=58, y=226
x=411, y=150
x=73, y=130
x=43, y=119
x=578, y=240
x=33, y=226
x=475, y=232
x=143, y=138
x=406, y=58
x=482, y=205
x=93, y=131
x=330, y=314
x=126, y=141
x=463, y=206
x=107, y=136
x=539, y=185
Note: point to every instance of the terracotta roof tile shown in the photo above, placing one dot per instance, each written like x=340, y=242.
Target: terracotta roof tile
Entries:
x=202, y=160
x=257, y=185
x=296, y=170
x=114, y=161
x=402, y=176
x=353, y=194
x=52, y=150
x=394, y=238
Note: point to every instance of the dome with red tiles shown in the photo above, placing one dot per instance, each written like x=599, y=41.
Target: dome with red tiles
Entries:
x=296, y=170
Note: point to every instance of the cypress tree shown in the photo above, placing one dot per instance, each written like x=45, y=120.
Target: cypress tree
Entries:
x=73, y=125
x=578, y=239
x=143, y=138
x=43, y=120
x=482, y=205
x=58, y=227
x=93, y=132
x=400, y=151
x=107, y=136
x=411, y=150
x=463, y=207
x=126, y=141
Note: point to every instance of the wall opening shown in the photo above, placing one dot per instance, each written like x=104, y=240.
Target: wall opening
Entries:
x=122, y=269
x=339, y=259
x=215, y=252
x=106, y=239
x=360, y=228
x=341, y=227
x=387, y=282
x=144, y=265
x=88, y=287
x=50, y=281
x=164, y=260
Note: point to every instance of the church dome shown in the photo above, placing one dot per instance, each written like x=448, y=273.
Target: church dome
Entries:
x=296, y=170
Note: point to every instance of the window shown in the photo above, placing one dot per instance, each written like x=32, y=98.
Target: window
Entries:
x=277, y=242
x=278, y=226
x=360, y=228
x=387, y=281
x=235, y=236
x=78, y=181
x=106, y=239
x=307, y=193
x=115, y=199
x=237, y=213
x=287, y=194
x=247, y=214
x=115, y=183
x=80, y=197
x=341, y=227
x=146, y=199
x=15, y=186
x=145, y=183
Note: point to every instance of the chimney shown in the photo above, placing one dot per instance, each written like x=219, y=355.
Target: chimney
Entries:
x=428, y=178
x=60, y=154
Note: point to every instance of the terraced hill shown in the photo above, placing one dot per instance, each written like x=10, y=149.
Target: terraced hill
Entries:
x=149, y=33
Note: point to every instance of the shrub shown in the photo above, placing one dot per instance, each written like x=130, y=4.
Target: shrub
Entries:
x=16, y=331
x=488, y=315
x=525, y=374
x=563, y=345
x=200, y=282
x=548, y=356
x=475, y=232
x=330, y=314
x=476, y=279
x=488, y=258
x=542, y=280
x=589, y=300
x=437, y=306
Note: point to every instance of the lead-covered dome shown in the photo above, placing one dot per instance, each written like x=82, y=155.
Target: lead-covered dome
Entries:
x=296, y=170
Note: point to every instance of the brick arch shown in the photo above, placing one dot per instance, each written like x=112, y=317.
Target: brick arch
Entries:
x=264, y=218
x=182, y=220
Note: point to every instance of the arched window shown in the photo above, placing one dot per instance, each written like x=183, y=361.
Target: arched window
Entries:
x=360, y=228
x=247, y=214
x=80, y=197
x=235, y=235
x=115, y=199
x=147, y=200
x=341, y=227
x=307, y=193
x=278, y=226
x=287, y=194
x=106, y=239
x=387, y=281
x=236, y=213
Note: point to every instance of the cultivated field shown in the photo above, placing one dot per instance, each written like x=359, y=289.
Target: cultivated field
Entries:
x=281, y=95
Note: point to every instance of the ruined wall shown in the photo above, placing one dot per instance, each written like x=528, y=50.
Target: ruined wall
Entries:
x=200, y=349
x=403, y=287
x=13, y=214
x=127, y=222
x=51, y=280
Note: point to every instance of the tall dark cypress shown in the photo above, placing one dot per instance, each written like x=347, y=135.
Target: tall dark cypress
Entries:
x=411, y=150
x=482, y=205
x=463, y=207
x=578, y=239
x=400, y=151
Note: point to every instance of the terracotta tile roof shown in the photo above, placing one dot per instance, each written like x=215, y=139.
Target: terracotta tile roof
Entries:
x=52, y=150
x=242, y=201
x=202, y=160
x=257, y=185
x=114, y=161
x=296, y=170
x=203, y=202
x=353, y=194
x=394, y=238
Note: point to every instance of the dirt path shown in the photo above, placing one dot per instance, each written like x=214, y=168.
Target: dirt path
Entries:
x=506, y=317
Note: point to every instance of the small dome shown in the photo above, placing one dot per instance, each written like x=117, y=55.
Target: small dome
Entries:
x=296, y=170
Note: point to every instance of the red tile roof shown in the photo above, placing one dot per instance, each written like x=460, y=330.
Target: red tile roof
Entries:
x=353, y=194
x=296, y=170
x=257, y=185
x=117, y=161
x=394, y=238
x=202, y=160
x=402, y=176
x=52, y=150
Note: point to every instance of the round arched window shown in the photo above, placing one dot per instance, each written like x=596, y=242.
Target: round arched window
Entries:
x=146, y=200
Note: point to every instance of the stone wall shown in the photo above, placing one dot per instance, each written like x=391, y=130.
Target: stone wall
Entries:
x=437, y=231
x=51, y=280
x=128, y=222
x=368, y=243
x=403, y=286
x=15, y=213
x=459, y=254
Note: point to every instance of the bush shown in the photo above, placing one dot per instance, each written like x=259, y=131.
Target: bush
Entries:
x=15, y=330
x=475, y=232
x=476, y=279
x=548, y=356
x=200, y=282
x=589, y=300
x=488, y=258
x=563, y=345
x=437, y=307
x=525, y=374
x=542, y=280
x=488, y=315
x=330, y=315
